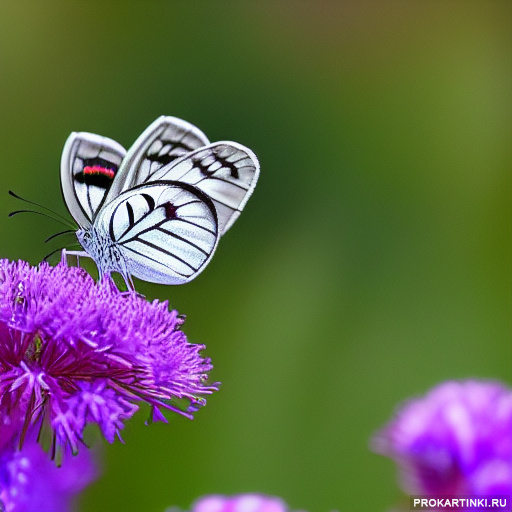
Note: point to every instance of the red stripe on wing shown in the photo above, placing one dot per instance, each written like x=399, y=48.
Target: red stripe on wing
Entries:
x=98, y=169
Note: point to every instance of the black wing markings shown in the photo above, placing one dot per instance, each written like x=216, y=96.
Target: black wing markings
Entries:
x=91, y=209
x=150, y=201
x=225, y=163
x=156, y=261
x=198, y=226
x=220, y=179
x=131, y=220
x=210, y=178
x=165, y=251
x=87, y=189
x=99, y=180
x=183, y=239
x=166, y=157
x=129, y=210
x=157, y=225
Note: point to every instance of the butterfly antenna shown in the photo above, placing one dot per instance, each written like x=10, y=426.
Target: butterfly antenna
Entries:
x=57, y=250
x=52, y=253
x=59, y=234
x=12, y=214
x=56, y=216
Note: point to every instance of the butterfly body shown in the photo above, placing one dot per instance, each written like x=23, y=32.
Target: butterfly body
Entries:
x=157, y=211
x=100, y=248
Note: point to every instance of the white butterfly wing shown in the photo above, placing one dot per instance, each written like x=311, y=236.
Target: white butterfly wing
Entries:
x=163, y=141
x=226, y=172
x=167, y=232
x=88, y=166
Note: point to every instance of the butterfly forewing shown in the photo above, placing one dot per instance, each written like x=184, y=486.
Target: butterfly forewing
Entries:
x=88, y=167
x=166, y=231
x=165, y=140
x=226, y=172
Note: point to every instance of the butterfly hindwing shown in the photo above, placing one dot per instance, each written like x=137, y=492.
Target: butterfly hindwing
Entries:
x=164, y=141
x=166, y=231
x=226, y=172
x=89, y=165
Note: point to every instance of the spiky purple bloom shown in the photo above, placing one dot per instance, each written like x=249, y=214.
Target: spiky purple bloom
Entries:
x=74, y=352
x=457, y=440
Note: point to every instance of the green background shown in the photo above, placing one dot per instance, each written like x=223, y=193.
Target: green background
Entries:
x=372, y=262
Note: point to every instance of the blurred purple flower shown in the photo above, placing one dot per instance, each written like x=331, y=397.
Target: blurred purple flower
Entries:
x=74, y=352
x=30, y=481
x=239, y=503
x=250, y=502
x=457, y=440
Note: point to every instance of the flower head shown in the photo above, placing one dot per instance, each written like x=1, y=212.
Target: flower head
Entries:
x=457, y=440
x=30, y=481
x=237, y=503
x=240, y=503
x=74, y=352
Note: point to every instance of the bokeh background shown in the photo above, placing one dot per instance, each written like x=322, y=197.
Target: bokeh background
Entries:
x=372, y=262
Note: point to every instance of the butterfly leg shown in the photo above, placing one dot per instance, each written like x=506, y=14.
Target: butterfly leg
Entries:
x=129, y=282
x=123, y=270
x=77, y=254
x=131, y=287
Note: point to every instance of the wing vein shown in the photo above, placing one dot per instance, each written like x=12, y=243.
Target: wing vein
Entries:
x=223, y=180
x=158, y=224
x=165, y=251
x=183, y=239
x=198, y=226
x=156, y=261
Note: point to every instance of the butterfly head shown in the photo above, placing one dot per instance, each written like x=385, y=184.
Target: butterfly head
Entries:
x=84, y=237
x=102, y=250
x=87, y=238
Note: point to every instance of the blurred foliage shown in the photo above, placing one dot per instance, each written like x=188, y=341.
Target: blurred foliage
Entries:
x=373, y=260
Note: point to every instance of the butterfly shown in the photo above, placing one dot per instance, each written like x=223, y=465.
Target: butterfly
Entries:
x=158, y=210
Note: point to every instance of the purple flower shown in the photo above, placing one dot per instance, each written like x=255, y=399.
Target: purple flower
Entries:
x=457, y=440
x=30, y=481
x=239, y=503
x=74, y=352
